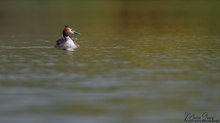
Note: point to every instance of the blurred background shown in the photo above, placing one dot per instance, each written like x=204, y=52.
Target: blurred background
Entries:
x=139, y=61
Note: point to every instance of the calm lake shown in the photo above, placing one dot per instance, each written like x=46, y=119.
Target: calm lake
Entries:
x=139, y=61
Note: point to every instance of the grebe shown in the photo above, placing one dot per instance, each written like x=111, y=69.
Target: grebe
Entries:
x=67, y=42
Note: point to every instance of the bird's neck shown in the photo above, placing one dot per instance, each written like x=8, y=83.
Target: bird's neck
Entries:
x=66, y=37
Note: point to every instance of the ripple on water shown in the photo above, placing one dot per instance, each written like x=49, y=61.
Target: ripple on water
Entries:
x=26, y=47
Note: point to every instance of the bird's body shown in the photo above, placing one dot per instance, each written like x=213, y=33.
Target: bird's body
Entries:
x=67, y=42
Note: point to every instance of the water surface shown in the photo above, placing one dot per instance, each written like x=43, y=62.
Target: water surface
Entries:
x=139, y=61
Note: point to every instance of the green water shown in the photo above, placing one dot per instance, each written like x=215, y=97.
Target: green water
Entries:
x=138, y=61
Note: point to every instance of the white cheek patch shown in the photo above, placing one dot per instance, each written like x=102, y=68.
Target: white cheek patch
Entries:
x=71, y=31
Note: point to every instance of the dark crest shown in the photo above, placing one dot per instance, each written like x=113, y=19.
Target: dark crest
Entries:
x=65, y=31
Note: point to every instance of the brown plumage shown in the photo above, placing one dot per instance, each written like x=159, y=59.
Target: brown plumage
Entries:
x=67, y=31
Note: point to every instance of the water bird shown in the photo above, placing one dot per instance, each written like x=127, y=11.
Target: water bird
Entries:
x=68, y=41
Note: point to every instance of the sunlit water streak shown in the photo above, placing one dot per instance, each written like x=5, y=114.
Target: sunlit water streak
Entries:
x=30, y=47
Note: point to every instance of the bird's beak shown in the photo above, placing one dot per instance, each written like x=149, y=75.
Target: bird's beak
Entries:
x=76, y=33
